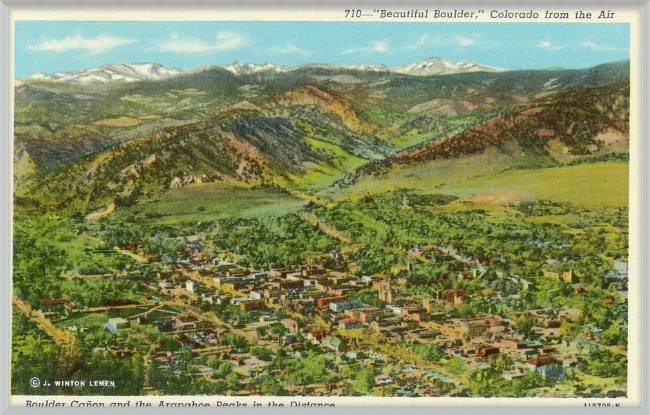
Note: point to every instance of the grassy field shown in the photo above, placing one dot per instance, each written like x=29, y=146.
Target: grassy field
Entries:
x=322, y=175
x=587, y=185
x=198, y=202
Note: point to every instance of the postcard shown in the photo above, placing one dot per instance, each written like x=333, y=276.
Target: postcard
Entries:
x=314, y=208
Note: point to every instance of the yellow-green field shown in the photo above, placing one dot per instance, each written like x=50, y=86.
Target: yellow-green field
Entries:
x=200, y=202
x=595, y=185
x=322, y=175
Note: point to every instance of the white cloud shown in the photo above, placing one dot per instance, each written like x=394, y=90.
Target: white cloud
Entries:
x=374, y=46
x=463, y=41
x=93, y=46
x=548, y=45
x=424, y=40
x=223, y=41
x=380, y=46
x=594, y=46
x=289, y=49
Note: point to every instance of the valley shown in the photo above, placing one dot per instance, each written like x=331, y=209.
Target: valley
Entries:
x=434, y=229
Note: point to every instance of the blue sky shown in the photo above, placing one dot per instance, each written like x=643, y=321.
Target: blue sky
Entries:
x=50, y=46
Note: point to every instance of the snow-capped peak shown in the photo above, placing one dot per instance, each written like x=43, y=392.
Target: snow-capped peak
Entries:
x=114, y=72
x=240, y=68
x=441, y=66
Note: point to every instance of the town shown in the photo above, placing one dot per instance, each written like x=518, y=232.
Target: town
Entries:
x=336, y=325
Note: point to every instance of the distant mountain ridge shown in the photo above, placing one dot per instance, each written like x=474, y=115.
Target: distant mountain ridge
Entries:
x=442, y=66
x=150, y=71
x=113, y=72
x=240, y=68
x=305, y=129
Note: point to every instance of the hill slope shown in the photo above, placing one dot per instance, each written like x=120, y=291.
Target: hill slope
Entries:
x=81, y=147
x=571, y=127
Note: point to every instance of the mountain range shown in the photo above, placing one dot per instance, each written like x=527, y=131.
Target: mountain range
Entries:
x=141, y=71
x=320, y=132
x=114, y=72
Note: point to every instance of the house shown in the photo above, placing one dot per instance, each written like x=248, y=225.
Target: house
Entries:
x=553, y=372
x=191, y=286
x=579, y=290
x=334, y=343
x=324, y=303
x=487, y=351
x=115, y=324
x=383, y=380
x=252, y=305
x=538, y=362
x=609, y=301
x=207, y=298
x=165, y=284
x=350, y=323
x=317, y=336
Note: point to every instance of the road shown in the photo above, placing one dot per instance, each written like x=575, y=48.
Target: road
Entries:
x=66, y=341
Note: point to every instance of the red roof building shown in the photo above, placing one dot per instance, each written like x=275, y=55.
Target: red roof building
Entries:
x=540, y=361
x=317, y=335
x=252, y=305
x=324, y=303
x=487, y=351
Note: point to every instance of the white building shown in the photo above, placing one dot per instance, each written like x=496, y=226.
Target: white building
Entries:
x=191, y=286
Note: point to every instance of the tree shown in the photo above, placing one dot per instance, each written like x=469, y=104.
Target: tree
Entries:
x=524, y=324
x=225, y=369
x=456, y=366
x=365, y=382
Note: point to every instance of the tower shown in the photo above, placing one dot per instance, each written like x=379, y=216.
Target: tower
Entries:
x=405, y=203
